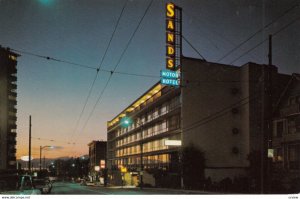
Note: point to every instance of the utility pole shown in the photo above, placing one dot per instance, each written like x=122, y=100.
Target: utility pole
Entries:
x=270, y=50
x=269, y=110
x=266, y=130
x=44, y=162
x=40, y=158
x=29, y=156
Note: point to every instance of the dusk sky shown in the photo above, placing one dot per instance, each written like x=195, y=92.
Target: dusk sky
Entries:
x=79, y=31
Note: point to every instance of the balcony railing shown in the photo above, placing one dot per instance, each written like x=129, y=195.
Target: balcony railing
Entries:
x=290, y=110
x=12, y=69
x=13, y=78
x=162, y=113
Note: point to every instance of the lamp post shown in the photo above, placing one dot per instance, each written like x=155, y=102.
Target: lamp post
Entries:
x=41, y=149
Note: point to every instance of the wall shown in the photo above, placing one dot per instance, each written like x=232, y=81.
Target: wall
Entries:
x=211, y=88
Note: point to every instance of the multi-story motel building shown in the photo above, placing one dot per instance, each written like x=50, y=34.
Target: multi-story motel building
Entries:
x=223, y=110
x=8, y=111
x=155, y=118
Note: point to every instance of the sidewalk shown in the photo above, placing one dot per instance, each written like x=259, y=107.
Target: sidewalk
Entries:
x=183, y=191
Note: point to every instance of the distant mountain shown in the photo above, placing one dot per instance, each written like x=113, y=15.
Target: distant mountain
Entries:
x=36, y=162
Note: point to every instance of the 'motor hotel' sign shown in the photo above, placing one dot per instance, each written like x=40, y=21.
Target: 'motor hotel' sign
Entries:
x=173, y=36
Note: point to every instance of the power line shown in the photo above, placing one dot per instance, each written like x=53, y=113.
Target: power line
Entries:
x=133, y=74
x=210, y=30
x=193, y=47
x=51, y=140
x=274, y=34
x=260, y=30
x=221, y=112
x=100, y=66
x=217, y=114
x=112, y=72
x=81, y=65
x=53, y=59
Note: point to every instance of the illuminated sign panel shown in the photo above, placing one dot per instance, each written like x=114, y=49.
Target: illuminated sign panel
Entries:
x=169, y=74
x=170, y=36
x=173, y=143
x=169, y=82
x=102, y=164
x=169, y=77
x=173, y=36
x=170, y=10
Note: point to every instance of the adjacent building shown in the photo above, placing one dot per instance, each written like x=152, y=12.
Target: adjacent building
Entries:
x=225, y=111
x=286, y=131
x=8, y=110
x=97, y=157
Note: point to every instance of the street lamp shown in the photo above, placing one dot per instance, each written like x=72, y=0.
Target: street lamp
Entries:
x=126, y=121
x=41, y=149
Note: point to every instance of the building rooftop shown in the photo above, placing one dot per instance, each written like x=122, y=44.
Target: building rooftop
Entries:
x=148, y=94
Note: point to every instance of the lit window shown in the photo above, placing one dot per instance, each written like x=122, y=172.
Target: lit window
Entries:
x=12, y=57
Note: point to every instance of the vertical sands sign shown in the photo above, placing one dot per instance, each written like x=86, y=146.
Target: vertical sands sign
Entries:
x=170, y=77
x=173, y=36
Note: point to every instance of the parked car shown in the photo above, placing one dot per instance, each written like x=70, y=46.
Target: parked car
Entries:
x=44, y=185
x=25, y=187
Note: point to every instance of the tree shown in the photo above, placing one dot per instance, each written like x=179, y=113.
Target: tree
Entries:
x=193, y=165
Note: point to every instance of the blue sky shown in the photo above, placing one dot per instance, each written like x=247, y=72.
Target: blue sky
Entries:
x=79, y=31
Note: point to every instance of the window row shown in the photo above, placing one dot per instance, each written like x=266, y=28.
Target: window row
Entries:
x=289, y=125
x=169, y=124
x=288, y=156
x=154, y=159
x=147, y=147
x=158, y=128
x=151, y=115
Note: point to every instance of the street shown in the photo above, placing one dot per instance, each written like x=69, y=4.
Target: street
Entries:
x=75, y=189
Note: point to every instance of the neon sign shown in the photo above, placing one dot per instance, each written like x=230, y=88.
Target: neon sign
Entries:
x=173, y=36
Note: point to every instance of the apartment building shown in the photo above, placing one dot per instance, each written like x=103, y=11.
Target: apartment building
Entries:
x=97, y=157
x=227, y=112
x=286, y=131
x=8, y=110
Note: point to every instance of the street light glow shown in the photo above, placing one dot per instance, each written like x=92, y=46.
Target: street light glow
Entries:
x=26, y=158
x=126, y=121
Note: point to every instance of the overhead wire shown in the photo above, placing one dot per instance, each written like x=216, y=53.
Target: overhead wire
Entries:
x=52, y=59
x=118, y=62
x=260, y=43
x=80, y=65
x=189, y=43
x=190, y=15
x=225, y=110
x=100, y=66
x=258, y=31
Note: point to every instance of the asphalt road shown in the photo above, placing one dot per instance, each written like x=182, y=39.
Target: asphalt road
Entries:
x=76, y=189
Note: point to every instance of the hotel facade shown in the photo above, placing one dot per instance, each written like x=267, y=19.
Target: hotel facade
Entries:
x=155, y=118
x=223, y=110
